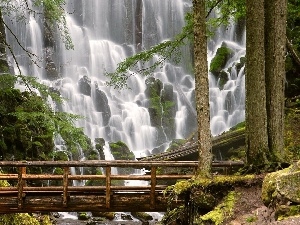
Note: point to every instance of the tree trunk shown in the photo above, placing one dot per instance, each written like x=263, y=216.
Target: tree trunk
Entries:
x=256, y=115
x=202, y=89
x=275, y=50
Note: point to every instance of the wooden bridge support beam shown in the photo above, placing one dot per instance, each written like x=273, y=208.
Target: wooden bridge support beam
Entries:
x=21, y=184
x=153, y=185
x=65, y=186
x=108, y=185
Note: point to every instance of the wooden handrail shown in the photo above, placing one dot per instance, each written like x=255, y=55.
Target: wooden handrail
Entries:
x=116, y=163
x=66, y=189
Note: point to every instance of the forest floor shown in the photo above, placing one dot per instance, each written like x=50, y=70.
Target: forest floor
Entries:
x=250, y=210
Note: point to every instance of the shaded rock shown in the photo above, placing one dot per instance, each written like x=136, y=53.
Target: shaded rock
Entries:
x=101, y=105
x=51, y=69
x=100, y=142
x=126, y=217
x=120, y=151
x=142, y=216
x=84, y=85
x=281, y=190
x=107, y=215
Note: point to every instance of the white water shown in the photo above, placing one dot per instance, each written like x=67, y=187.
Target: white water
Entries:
x=104, y=33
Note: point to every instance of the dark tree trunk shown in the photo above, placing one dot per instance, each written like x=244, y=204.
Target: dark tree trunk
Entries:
x=256, y=115
x=275, y=45
x=202, y=88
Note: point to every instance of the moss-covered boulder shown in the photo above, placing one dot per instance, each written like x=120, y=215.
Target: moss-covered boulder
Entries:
x=24, y=219
x=221, y=212
x=223, y=78
x=211, y=200
x=120, y=151
x=83, y=216
x=282, y=184
x=281, y=190
x=219, y=61
x=107, y=215
x=99, y=146
x=162, y=108
x=142, y=216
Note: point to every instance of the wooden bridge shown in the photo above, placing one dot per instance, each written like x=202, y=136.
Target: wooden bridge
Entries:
x=220, y=146
x=36, y=192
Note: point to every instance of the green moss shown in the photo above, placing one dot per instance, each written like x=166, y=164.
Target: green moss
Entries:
x=217, y=181
x=120, y=151
x=83, y=216
x=24, y=219
x=142, y=216
x=251, y=219
x=220, y=59
x=239, y=126
x=221, y=212
x=283, y=212
x=175, y=144
x=292, y=138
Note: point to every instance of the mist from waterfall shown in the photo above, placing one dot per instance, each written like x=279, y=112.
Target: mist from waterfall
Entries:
x=106, y=32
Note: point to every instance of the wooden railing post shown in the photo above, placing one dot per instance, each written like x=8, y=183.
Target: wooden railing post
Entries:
x=65, y=186
x=108, y=186
x=21, y=184
x=153, y=185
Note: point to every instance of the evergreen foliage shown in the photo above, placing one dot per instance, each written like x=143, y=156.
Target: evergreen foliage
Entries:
x=29, y=124
x=51, y=11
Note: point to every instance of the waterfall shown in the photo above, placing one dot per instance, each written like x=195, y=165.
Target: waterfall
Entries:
x=104, y=33
x=227, y=104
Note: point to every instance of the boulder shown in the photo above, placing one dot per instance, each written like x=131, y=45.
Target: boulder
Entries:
x=281, y=190
x=84, y=85
x=101, y=105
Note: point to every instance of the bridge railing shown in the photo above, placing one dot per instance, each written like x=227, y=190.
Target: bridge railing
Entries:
x=66, y=188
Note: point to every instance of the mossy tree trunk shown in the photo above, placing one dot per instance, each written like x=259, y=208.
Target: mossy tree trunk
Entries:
x=265, y=74
x=275, y=45
x=202, y=89
x=256, y=114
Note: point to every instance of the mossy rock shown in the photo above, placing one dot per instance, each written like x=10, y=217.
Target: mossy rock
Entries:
x=240, y=64
x=107, y=215
x=203, y=200
x=221, y=212
x=219, y=61
x=282, y=185
x=223, y=78
x=142, y=216
x=120, y=151
x=286, y=211
x=23, y=219
x=176, y=143
x=83, y=216
x=100, y=142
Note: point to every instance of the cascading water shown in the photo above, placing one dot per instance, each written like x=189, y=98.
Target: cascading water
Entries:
x=106, y=32
x=227, y=103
